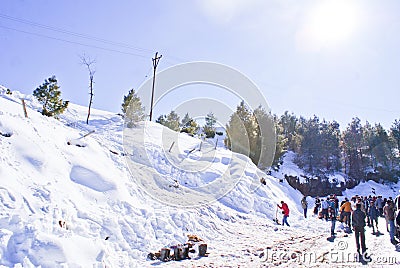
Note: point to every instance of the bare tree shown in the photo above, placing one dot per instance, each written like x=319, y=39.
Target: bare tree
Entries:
x=89, y=62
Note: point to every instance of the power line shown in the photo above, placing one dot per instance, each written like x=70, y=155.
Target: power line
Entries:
x=74, y=42
x=173, y=59
x=60, y=30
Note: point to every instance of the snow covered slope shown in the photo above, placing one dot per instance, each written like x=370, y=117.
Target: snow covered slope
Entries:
x=110, y=198
x=59, y=202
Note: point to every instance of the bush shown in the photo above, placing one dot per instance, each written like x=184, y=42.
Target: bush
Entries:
x=48, y=94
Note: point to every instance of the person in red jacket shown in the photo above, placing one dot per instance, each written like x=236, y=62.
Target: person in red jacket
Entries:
x=285, y=211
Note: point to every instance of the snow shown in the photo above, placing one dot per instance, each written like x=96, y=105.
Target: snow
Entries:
x=110, y=198
x=372, y=188
x=289, y=168
x=337, y=178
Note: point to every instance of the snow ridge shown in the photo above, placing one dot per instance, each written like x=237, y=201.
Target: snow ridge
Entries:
x=55, y=195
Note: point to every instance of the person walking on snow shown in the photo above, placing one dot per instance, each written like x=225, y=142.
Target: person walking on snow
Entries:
x=379, y=205
x=285, y=210
x=345, y=211
x=388, y=210
x=353, y=202
x=373, y=213
x=325, y=206
x=332, y=217
x=366, y=204
x=331, y=202
x=358, y=220
x=336, y=204
x=304, y=205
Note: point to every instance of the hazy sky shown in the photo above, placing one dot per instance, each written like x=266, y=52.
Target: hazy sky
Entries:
x=336, y=59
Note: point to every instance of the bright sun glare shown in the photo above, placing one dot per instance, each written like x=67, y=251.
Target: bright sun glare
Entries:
x=331, y=22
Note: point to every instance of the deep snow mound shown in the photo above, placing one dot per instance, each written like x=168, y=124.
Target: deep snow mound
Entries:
x=59, y=201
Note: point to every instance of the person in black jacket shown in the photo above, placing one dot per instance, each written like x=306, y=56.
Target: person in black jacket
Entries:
x=358, y=219
x=317, y=205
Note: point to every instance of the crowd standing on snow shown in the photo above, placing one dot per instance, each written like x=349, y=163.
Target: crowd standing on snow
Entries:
x=354, y=215
x=357, y=213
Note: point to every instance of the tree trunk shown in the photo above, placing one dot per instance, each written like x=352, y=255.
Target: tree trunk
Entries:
x=91, y=98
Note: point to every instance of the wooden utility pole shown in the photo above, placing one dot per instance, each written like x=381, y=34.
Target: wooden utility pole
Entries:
x=155, y=63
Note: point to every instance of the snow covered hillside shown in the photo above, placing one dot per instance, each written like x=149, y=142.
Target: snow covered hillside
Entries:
x=110, y=198
x=46, y=179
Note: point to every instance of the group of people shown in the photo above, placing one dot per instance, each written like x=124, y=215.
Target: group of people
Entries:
x=355, y=214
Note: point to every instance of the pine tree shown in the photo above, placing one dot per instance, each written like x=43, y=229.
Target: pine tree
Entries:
x=395, y=133
x=367, y=158
x=191, y=128
x=189, y=125
x=281, y=142
x=379, y=145
x=352, y=140
x=48, y=94
x=379, y=153
x=263, y=143
x=330, y=146
x=132, y=109
x=171, y=121
x=186, y=120
x=209, y=128
x=289, y=124
x=162, y=119
x=395, y=146
x=252, y=134
x=237, y=138
x=310, y=148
